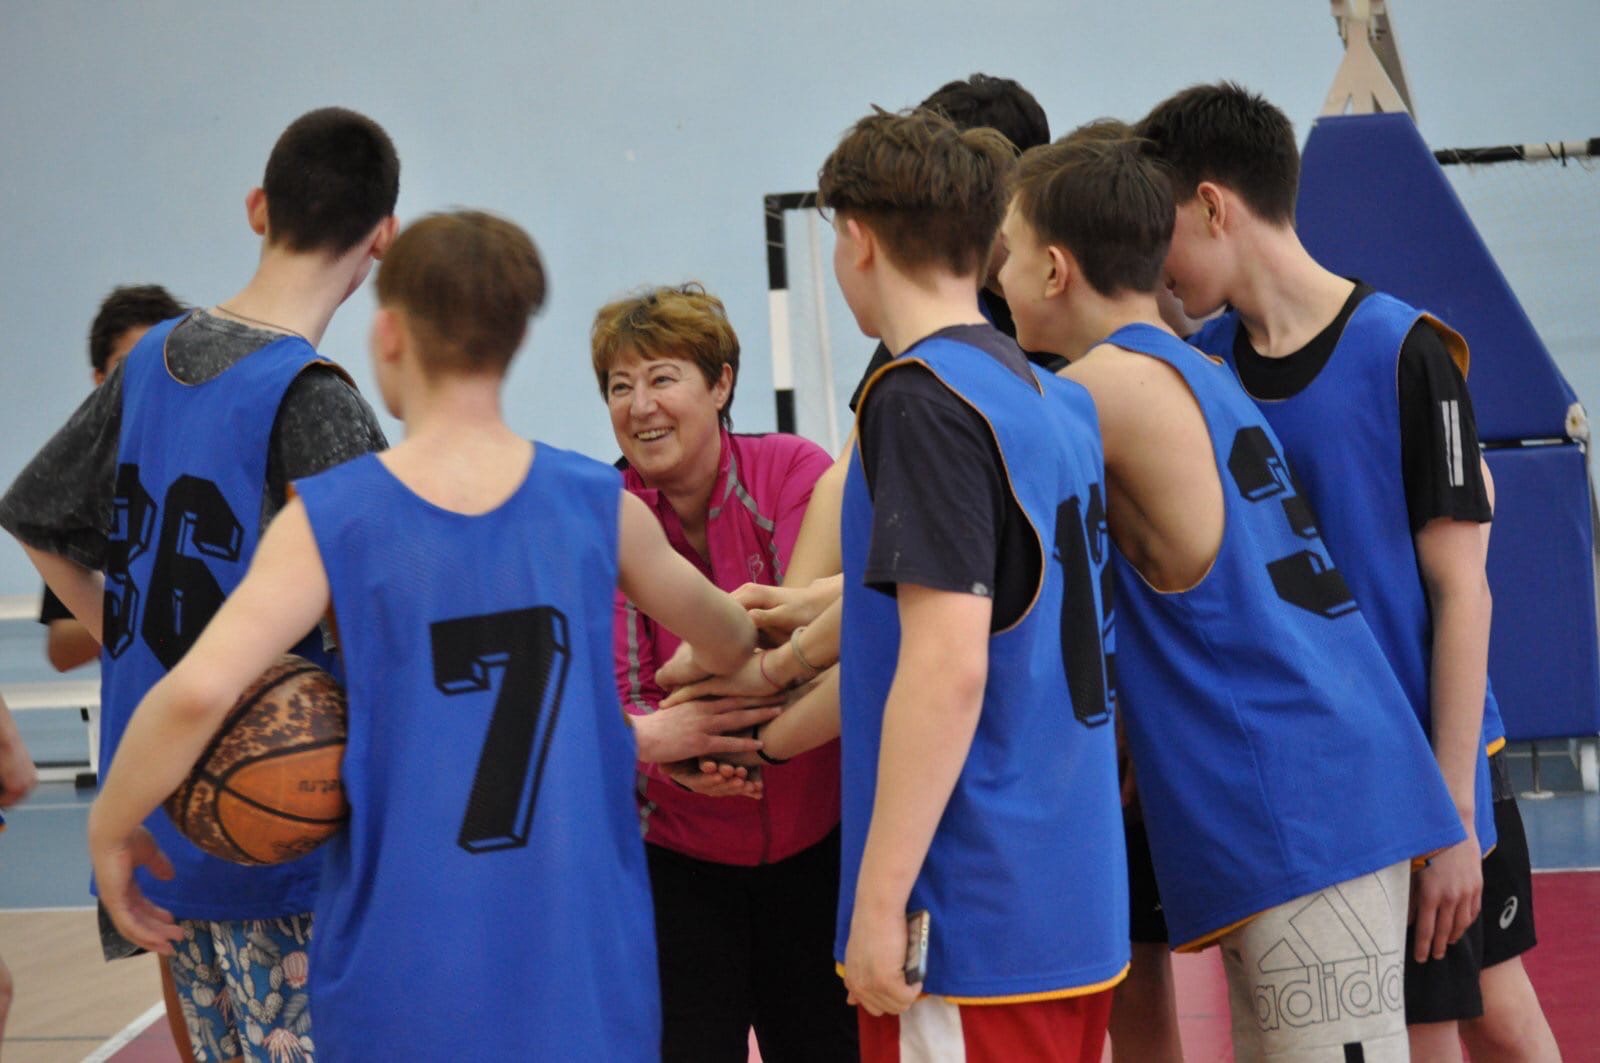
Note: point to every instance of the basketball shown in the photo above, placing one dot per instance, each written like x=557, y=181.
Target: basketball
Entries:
x=267, y=789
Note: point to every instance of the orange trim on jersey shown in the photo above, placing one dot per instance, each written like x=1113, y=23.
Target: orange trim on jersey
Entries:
x=1420, y=862
x=1207, y=940
x=1028, y=998
x=1454, y=342
x=1005, y=467
x=1494, y=747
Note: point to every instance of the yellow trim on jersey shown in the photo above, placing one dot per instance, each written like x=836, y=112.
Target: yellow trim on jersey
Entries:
x=1029, y=998
x=1494, y=747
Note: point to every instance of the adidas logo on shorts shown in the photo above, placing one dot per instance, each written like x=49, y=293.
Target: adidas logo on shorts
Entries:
x=1326, y=970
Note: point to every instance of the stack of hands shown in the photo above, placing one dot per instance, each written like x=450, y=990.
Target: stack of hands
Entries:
x=705, y=734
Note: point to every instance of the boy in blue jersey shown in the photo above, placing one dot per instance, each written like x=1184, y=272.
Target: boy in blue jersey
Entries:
x=1285, y=785
x=979, y=774
x=492, y=866
x=1373, y=412
x=124, y=317
x=163, y=480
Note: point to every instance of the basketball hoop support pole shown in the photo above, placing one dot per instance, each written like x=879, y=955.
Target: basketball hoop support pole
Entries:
x=1371, y=78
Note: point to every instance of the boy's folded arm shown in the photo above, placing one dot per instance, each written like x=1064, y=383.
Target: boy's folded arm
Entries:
x=671, y=591
x=80, y=589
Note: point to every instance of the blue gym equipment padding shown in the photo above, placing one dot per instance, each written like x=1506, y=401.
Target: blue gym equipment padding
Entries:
x=1374, y=204
x=1542, y=657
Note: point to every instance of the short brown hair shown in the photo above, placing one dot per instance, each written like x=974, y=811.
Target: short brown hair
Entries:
x=934, y=195
x=682, y=322
x=467, y=282
x=1098, y=193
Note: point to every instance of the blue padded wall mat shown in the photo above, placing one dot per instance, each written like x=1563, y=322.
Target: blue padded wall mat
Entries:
x=1542, y=656
x=1374, y=204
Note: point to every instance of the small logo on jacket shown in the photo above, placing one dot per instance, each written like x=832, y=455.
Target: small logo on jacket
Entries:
x=1508, y=914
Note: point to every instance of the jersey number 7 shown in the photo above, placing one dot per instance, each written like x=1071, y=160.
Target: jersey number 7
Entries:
x=529, y=648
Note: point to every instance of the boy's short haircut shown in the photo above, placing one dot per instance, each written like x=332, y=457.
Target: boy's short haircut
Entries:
x=467, y=282
x=1100, y=194
x=331, y=178
x=986, y=102
x=669, y=322
x=127, y=307
x=933, y=195
x=1227, y=134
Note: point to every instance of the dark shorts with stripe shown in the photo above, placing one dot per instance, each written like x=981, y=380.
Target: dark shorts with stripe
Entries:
x=1147, y=923
x=1446, y=990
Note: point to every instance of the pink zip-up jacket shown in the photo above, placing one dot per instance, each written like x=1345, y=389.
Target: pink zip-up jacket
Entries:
x=763, y=485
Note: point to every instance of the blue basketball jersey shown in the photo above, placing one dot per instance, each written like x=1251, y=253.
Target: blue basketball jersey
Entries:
x=1347, y=421
x=489, y=898
x=1275, y=751
x=1026, y=878
x=191, y=472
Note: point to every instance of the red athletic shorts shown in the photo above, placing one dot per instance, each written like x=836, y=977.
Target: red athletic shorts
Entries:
x=1063, y=1030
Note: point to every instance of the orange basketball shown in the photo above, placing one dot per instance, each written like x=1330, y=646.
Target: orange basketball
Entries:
x=268, y=788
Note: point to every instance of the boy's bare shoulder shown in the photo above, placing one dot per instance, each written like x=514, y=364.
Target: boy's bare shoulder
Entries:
x=1112, y=372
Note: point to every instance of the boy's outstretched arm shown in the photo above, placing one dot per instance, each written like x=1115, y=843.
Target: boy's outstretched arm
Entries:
x=811, y=720
x=670, y=590
x=768, y=672
x=816, y=553
x=282, y=597
x=1451, y=554
x=928, y=724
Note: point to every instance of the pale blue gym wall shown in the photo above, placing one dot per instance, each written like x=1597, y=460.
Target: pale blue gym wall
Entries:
x=634, y=140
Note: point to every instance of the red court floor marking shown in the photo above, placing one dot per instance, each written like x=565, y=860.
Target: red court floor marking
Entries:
x=1564, y=969
x=154, y=1045
x=1565, y=966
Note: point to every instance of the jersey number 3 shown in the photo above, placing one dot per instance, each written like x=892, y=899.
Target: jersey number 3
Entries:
x=1304, y=578
x=529, y=648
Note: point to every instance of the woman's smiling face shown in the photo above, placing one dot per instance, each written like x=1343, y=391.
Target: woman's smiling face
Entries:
x=666, y=418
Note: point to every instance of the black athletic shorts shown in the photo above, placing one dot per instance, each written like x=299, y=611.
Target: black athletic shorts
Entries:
x=1446, y=990
x=1147, y=923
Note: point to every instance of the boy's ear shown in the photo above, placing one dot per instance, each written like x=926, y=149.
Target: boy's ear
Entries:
x=865, y=241
x=1214, y=203
x=383, y=236
x=387, y=334
x=255, y=209
x=1062, y=267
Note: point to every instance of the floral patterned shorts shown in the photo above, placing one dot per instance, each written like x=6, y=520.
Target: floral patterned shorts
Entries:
x=242, y=985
